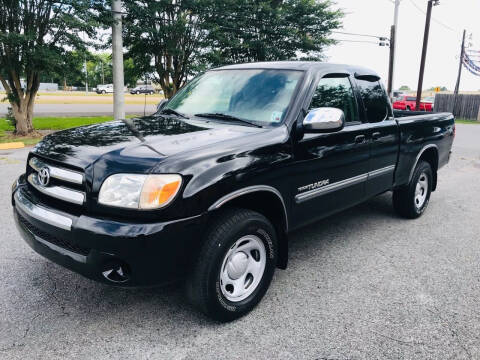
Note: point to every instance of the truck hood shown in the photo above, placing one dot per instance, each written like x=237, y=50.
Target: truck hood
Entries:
x=149, y=138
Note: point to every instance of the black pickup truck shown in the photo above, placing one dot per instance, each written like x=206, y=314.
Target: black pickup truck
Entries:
x=209, y=187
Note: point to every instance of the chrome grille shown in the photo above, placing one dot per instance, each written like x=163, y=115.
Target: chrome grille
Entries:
x=39, y=179
x=57, y=172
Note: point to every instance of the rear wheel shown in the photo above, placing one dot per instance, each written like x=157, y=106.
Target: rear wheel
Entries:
x=412, y=200
x=235, y=265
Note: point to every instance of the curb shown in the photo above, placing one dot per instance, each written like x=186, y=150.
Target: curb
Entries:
x=12, y=145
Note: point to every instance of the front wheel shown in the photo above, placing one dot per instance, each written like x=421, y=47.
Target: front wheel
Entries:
x=235, y=265
x=412, y=200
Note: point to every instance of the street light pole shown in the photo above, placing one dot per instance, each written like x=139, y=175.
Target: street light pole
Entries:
x=117, y=57
x=424, y=52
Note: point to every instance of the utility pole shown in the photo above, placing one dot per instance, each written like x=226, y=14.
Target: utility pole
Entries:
x=117, y=56
x=391, y=64
x=424, y=51
x=457, y=85
x=393, y=48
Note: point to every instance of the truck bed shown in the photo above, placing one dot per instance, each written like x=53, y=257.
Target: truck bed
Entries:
x=421, y=132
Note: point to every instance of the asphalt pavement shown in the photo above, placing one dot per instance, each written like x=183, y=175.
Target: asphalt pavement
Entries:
x=363, y=284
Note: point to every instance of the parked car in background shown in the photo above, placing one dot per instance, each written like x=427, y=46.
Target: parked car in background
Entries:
x=397, y=95
x=409, y=103
x=143, y=89
x=104, y=89
x=430, y=100
x=107, y=89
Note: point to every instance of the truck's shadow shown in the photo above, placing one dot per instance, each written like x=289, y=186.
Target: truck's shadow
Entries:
x=68, y=294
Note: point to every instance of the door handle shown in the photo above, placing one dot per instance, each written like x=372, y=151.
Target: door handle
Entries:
x=359, y=139
x=376, y=135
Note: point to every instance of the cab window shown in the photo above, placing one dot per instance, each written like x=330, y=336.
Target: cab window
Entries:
x=337, y=93
x=375, y=101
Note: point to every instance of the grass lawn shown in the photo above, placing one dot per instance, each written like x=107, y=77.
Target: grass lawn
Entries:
x=60, y=123
x=47, y=123
x=465, y=121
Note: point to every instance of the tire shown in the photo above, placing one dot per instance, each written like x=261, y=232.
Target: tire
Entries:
x=212, y=290
x=408, y=108
x=412, y=200
x=104, y=92
x=138, y=92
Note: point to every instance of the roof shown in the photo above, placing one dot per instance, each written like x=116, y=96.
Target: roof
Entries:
x=303, y=66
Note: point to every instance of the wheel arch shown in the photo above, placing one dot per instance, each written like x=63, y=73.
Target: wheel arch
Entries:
x=267, y=201
x=429, y=153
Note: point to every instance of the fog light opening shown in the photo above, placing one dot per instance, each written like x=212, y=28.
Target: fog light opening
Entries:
x=116, y=272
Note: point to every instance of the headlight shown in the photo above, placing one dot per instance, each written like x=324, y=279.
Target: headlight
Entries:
x=136, y=191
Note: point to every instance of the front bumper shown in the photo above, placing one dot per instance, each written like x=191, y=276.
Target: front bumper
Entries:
x=113, y=252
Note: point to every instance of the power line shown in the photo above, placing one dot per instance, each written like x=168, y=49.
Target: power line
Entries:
x=361, y=41
x=435, y=20
x=356, y=34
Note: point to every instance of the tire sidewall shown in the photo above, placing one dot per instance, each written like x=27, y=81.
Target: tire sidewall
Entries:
x=218, y=302
x=422, y=168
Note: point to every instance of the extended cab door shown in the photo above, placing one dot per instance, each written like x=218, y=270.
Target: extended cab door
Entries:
x=330, y=170
x=383, y=134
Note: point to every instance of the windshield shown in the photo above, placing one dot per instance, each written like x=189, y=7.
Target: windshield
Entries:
x=258, y=95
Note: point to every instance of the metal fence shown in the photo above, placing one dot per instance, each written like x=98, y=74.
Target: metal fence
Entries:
x=467, y=106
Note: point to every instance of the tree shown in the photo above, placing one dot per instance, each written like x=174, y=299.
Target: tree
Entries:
x=163, y=38
x=71, y=71
x=34, y=36
x=442, y=88
x=404, y=88
x=174, y=39
x=269, y=30
x=130, y=72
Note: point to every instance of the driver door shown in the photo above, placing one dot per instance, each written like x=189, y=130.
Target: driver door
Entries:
x=331, y=169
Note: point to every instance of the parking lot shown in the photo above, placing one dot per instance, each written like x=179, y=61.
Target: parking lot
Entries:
x=363, y=284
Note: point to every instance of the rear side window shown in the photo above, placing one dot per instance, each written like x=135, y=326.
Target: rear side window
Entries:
x=375, y=101
x=410, y=98
x=336, y=93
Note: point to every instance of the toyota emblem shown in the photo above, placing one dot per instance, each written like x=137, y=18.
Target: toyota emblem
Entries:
x=44, y=176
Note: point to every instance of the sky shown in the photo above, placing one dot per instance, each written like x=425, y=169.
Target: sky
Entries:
x=376, y=16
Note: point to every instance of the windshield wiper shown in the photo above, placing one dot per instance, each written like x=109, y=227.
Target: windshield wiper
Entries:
x=173, y=112
x=227, y=117
x=131, y=126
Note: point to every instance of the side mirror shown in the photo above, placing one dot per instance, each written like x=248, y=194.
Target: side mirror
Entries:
x=324, y=120
x=161, y=104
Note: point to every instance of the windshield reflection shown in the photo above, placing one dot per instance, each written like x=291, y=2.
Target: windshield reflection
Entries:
x=257, y=95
